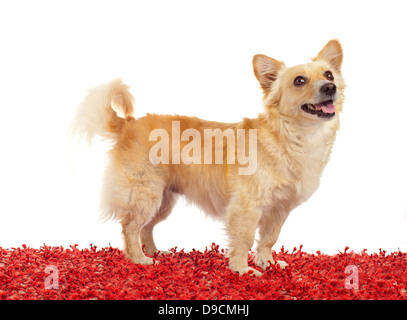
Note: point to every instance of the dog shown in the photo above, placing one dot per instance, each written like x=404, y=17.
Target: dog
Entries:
x=156, y=158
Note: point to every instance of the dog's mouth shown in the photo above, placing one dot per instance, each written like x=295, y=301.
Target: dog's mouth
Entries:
x=324, y=109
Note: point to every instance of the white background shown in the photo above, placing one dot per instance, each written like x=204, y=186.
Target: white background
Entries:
x=194, y=58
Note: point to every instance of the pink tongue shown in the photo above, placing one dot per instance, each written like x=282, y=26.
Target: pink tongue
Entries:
x=327, y=108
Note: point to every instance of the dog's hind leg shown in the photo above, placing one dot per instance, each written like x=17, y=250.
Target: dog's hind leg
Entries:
x=144, y=200
x=131, y=232
x=146, y=236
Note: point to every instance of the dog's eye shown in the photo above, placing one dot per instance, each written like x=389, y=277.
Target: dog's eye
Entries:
x=329, y=75
x=299, y=81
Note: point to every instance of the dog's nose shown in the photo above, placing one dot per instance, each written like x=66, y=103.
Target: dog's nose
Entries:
x=328, y=89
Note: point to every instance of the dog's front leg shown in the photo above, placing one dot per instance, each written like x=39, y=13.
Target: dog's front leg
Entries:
x=242, y=220
x=269, y=229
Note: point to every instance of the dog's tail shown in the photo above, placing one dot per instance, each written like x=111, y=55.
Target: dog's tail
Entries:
x=96, y=116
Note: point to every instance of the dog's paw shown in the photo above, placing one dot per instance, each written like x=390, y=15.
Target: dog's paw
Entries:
x=282, y=264
x=252, y=271
x=164, y=252
x=146, y=261
x=153, y=251
x=263, y=261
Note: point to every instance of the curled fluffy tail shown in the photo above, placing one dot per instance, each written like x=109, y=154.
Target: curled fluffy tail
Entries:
x=95, y=115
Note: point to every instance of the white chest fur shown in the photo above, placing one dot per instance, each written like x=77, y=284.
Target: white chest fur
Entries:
x=296, y=161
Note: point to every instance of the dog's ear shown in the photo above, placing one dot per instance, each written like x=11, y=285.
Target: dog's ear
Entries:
x=266, y=70
x=332, y=53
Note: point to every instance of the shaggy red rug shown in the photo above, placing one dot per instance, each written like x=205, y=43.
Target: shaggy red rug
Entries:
x=60, y=273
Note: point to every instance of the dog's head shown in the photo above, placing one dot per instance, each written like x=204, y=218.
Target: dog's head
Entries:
x=312, y=91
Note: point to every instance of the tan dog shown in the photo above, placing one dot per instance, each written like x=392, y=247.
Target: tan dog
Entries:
x=250, y=174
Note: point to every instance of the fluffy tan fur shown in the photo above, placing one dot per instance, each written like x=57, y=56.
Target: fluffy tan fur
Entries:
x=293, y=148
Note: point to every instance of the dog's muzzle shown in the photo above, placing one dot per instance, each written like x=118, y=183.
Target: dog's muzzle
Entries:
x=326, y=108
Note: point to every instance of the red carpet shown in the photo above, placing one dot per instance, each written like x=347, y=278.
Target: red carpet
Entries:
x=59, y=273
